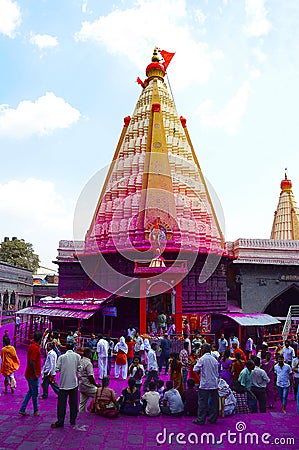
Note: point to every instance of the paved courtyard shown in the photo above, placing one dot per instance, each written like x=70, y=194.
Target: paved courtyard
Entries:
x=93, y=432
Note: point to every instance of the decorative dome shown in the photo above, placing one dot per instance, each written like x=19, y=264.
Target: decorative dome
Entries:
x=286, y=185
x=156, y=67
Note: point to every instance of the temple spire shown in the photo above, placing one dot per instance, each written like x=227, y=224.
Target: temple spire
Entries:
x=155, y=195
x=286, y=217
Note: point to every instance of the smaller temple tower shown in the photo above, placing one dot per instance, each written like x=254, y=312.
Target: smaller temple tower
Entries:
x=286, y=217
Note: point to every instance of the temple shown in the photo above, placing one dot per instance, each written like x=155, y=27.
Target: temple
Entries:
x=155, y=242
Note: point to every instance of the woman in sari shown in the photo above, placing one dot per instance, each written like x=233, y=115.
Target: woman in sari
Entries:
x=10, y=364
x=237, y=367
x=193, y=358
x=130, y=400
x=121, y=350
x=106, y=404
x=176, y=376
x=268, y=365
x=225, y=368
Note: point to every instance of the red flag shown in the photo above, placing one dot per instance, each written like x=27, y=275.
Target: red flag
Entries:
x=139, y=81
x=167, y=56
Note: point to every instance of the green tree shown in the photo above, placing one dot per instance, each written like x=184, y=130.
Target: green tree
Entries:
x=19, y=253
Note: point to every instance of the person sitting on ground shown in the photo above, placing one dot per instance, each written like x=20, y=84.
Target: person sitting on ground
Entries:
x=172, y=401
x=151, y=401
x=227, y=400
x=136, y=370
x=106, y=404
x=130, y=401
x=87, y=384
x=190, y=398
x=160, y=388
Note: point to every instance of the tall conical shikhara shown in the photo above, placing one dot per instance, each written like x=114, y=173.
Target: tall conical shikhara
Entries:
x=286, y=217
x=154, y=182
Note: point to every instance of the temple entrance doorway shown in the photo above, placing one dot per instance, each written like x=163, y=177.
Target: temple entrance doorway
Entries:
x=164, y=302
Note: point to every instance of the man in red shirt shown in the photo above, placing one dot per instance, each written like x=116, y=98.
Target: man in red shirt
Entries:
x=32, y=374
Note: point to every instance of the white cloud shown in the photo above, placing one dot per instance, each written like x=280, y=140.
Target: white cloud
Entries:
x=229, y=119
x=34, y=211
x=43, y=41
x=200, y=16
x=134, y=32
x=10, y=17
x=259, y=54
x=257, y=22
x=84, y=6
x=41, y=117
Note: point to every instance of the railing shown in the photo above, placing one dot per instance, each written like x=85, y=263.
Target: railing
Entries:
x=292, y=313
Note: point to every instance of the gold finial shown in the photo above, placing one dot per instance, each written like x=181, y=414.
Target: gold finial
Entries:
x=155, y=57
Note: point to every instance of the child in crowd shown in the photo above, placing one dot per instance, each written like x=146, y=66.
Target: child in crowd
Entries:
x=190, y=398
x=151, y=400
x=136, y=370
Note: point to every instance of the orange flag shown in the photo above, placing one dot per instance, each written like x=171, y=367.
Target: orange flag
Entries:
x=139, y=81
x=167, y=56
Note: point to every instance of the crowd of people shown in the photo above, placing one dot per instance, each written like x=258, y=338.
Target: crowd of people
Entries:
x=205, y=379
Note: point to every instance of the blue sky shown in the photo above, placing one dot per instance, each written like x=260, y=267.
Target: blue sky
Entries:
x=68, y=77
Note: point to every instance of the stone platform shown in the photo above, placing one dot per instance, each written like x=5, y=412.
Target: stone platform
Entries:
x=93, y=432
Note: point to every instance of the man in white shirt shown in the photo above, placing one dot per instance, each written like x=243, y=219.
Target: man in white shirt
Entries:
x=49, y=372
x=87, y=385
x=283, y=381
x=138, y=344
x=152, y=366
x=207, y=366
x=259, y=381
x=152, y=399
x=222, y=344
x=288, y=353
x=102, y=350
x=172, y=401
x=68, y=365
